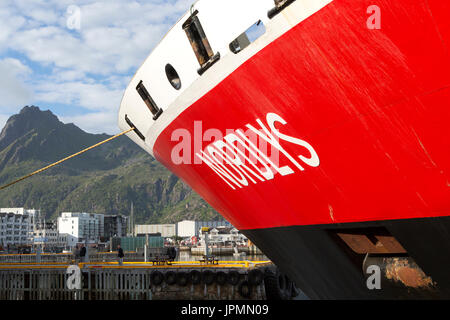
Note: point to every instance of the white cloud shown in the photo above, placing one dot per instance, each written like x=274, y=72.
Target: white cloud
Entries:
x=115, y=36
x=15, y=67
x=93, y=96
x=3, y=119
x=9, y=24
x=97, y=122
x=66, y=75
x=44, y=16
x=13, y=91
x=87, y=68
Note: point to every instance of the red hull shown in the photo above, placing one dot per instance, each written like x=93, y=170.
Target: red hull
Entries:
x=374, y=104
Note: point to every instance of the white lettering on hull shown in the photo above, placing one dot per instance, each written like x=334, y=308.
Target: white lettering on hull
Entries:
x=227, y=157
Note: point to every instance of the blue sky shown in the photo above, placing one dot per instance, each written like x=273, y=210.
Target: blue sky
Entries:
x=76, y=58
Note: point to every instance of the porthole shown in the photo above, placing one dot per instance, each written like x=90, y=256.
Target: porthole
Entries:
x=173, y=77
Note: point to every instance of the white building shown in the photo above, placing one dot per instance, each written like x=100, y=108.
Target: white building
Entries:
x=66, y=240
x=190, y=228
x=184, y=229
x=28, y=219
x=223, y=236
x=15, y=229
x=46, y=234
x=166, y=230
x=81, y=225
x=30, y=212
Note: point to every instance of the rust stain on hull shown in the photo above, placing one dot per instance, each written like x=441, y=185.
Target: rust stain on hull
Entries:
x=409, y=274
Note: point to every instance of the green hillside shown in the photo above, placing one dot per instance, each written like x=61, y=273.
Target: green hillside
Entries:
x=103, y=180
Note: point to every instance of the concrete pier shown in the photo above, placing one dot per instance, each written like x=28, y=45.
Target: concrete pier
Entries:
x=221, y=280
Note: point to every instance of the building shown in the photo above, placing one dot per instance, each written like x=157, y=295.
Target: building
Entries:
x=115, y=226
x=66, y=241
x=184, y=229
x=166, y=230
x=85, y=227
x=190, y=228
x=30, y=212
x=45, y=234
x=15, y=229
x=223, y=236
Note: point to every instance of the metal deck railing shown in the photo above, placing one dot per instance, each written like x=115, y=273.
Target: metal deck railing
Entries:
x=130, y=281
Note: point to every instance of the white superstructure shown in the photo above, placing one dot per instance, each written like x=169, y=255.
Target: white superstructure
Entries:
x=223, y=23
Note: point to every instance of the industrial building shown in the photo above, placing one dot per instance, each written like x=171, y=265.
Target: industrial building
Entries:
x=115, y=226
x=190, y=228
x=20, y=226
x=166, y=230
x=32, y=213
x=15, y=229
x=86, y=227
x=183, y=229
x=45, y=233
x=66, y=240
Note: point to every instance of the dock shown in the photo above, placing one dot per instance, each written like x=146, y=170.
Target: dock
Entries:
x=60, y=277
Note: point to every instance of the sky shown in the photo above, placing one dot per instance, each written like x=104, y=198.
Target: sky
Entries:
x=76, y=57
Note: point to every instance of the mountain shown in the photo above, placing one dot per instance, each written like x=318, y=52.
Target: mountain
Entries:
x=102, y=180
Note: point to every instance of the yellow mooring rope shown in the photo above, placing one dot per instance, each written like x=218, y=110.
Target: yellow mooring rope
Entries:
x=65, y=159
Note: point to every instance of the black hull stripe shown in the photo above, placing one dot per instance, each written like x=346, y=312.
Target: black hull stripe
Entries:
x=325, y=268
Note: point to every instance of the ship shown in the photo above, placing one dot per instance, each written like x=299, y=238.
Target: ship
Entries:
x=318, y=128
